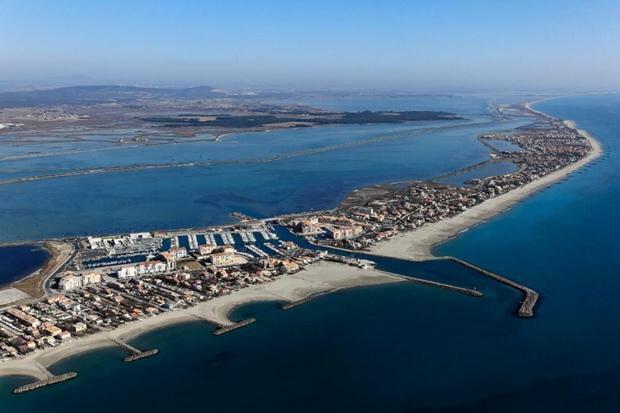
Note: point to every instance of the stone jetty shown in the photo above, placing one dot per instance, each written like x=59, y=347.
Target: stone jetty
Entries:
x=226, y=329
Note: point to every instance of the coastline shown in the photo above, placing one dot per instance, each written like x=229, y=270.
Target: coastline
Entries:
x=318, y=278
x=32, y=286
x=418, y=245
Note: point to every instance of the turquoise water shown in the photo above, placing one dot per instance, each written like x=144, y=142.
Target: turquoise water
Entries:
x=403, y=347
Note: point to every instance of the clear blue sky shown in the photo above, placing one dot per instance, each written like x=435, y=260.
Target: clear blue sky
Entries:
x=413, y=45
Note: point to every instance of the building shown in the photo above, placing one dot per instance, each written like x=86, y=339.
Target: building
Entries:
x=64, y=335
x=51, y=329
x=70, y=280
x=143, y=268
x=140, y=235
x=79, y=327
x=170, y=260
x=151, y=267
x=206, y=249
x=223, y=256
x=23, y=318
x=91, y=278
x=289, y=267
x=127, y=271
x=308, y=226
x=345, y=232
x=178, y=252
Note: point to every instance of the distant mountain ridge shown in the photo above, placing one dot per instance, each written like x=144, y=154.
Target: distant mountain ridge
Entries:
x=90, y=95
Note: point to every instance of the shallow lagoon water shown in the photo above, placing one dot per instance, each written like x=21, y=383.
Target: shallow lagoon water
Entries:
x=20, y=260
x=207, y=194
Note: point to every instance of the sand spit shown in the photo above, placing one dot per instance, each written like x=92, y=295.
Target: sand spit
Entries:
x=417, y=245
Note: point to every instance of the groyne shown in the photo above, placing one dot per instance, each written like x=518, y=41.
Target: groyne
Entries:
x=530, y=297
x=137, y=354
x=44, y=383
x=226, y=329
x=141, y=355
x=293, y=304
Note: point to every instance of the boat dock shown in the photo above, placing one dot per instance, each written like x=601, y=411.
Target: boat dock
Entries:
x=226, y=329
x=210, y=239
x=257, y=251
x=136, y=353
x=227, y=238
x=193, y=242
x=274, y=248
x=530, y=297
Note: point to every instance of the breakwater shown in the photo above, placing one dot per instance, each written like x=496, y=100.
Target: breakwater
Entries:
x=293, y=304
x=141, y=355
x=530, y=297
x=461, y=290
x=44, y=383
x=137, y=354
x=226, y=329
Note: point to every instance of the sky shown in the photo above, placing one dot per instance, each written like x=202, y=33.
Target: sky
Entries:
x=437, y=45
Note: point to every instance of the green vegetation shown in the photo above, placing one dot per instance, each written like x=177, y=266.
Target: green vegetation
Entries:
x=250, y=121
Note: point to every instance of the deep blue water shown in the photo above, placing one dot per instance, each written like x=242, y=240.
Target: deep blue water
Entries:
x=19, y=261
x=404, y=347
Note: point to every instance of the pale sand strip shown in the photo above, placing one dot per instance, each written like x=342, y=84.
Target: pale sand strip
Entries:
x=318, y=278
x=11, y=295
x=418, y=244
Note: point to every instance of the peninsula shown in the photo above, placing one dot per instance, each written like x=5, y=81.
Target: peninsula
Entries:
x=104, y=290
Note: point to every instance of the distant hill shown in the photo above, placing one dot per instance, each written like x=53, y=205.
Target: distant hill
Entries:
x=90, y=95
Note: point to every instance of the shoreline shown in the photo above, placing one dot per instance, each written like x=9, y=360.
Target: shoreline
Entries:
x=319, y=278
x=418, y=245
x=32, y=286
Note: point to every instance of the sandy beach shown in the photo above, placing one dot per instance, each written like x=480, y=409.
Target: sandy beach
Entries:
x=418, y=244
x=318, y=278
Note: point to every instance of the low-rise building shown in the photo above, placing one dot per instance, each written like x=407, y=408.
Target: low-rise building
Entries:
x=206, y=249
x=51, y=329
x=23, y=318
x=178, y=252
x=345, y=232
x=223, y=256
x=170, y=260
x=79, y=327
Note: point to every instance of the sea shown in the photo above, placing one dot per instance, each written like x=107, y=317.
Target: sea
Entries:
x=399, y=347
